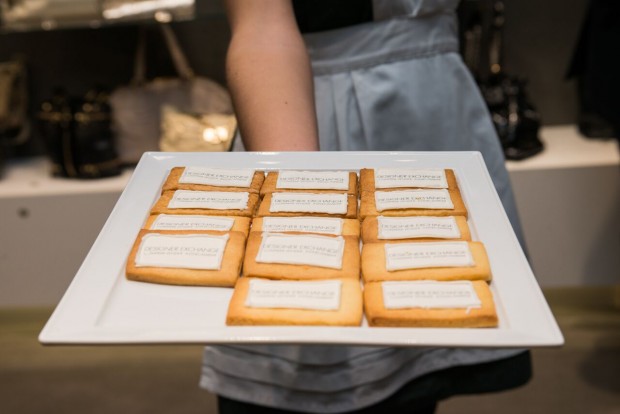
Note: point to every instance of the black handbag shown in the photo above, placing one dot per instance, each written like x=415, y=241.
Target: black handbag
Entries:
x=516, y=120
x=78, y=135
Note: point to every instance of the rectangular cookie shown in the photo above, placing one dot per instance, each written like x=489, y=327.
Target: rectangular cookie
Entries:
x=402, y=229
x=484, y=316
x=367, y=180
x=368, y=207
x=271, y=184
x=226, y=275
x=198, y=223
x=265, y=208
x=307, y=224
x=349, y=312
x=207, y=179
x=350, y=265
x=374, y=267
x=162, y=206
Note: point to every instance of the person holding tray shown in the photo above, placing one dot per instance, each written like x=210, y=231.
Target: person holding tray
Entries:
x=365, y=75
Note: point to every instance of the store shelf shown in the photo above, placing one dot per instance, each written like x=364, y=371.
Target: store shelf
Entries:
x=31, y=178
x=565, y=147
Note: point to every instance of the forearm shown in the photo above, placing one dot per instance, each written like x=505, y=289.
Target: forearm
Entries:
x=270, y=79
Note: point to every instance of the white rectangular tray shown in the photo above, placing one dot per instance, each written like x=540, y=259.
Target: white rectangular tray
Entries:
x=102, y=307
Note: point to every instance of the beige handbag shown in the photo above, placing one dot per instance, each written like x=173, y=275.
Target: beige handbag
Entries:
x=190, y=99
x=14, y=123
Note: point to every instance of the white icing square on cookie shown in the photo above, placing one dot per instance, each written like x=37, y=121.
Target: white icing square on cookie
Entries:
x=423, y=199
x=303, y=224
x=405, y=177
x=214, y=200
x=392, y=228
x=309, y=203
x=191, y=251
x=429, y=295
x=192, y=222
x=313, y=295
x=313, y=180
x=313, y=250
x=425, y=255
x=219, y=177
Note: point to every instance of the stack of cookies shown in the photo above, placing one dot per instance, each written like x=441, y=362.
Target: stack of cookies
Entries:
x=289, y=244
x=197, y=230
x=302, y=263
x=419, y=265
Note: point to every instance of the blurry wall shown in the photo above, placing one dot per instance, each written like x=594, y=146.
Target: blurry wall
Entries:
x=539, y=39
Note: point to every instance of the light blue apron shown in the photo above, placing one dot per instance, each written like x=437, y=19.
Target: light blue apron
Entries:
x=397, y=83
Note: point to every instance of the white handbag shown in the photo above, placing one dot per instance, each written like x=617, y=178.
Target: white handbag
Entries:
x=137, y=108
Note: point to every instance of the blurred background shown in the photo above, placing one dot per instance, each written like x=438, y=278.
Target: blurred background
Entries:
x=65, y=66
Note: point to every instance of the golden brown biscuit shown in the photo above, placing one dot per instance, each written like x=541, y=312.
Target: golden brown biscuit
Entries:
x=367, y=181
x=240, y=224
x=370, y=230
x=350, y=227
x=374, y=267
x=378, y=315
x=350, y=263
x=349, y=314
x=269, y=186
x=368, y=207
x=226, y=276
x=161, y=207
x=263, y=209
x=172, y=183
